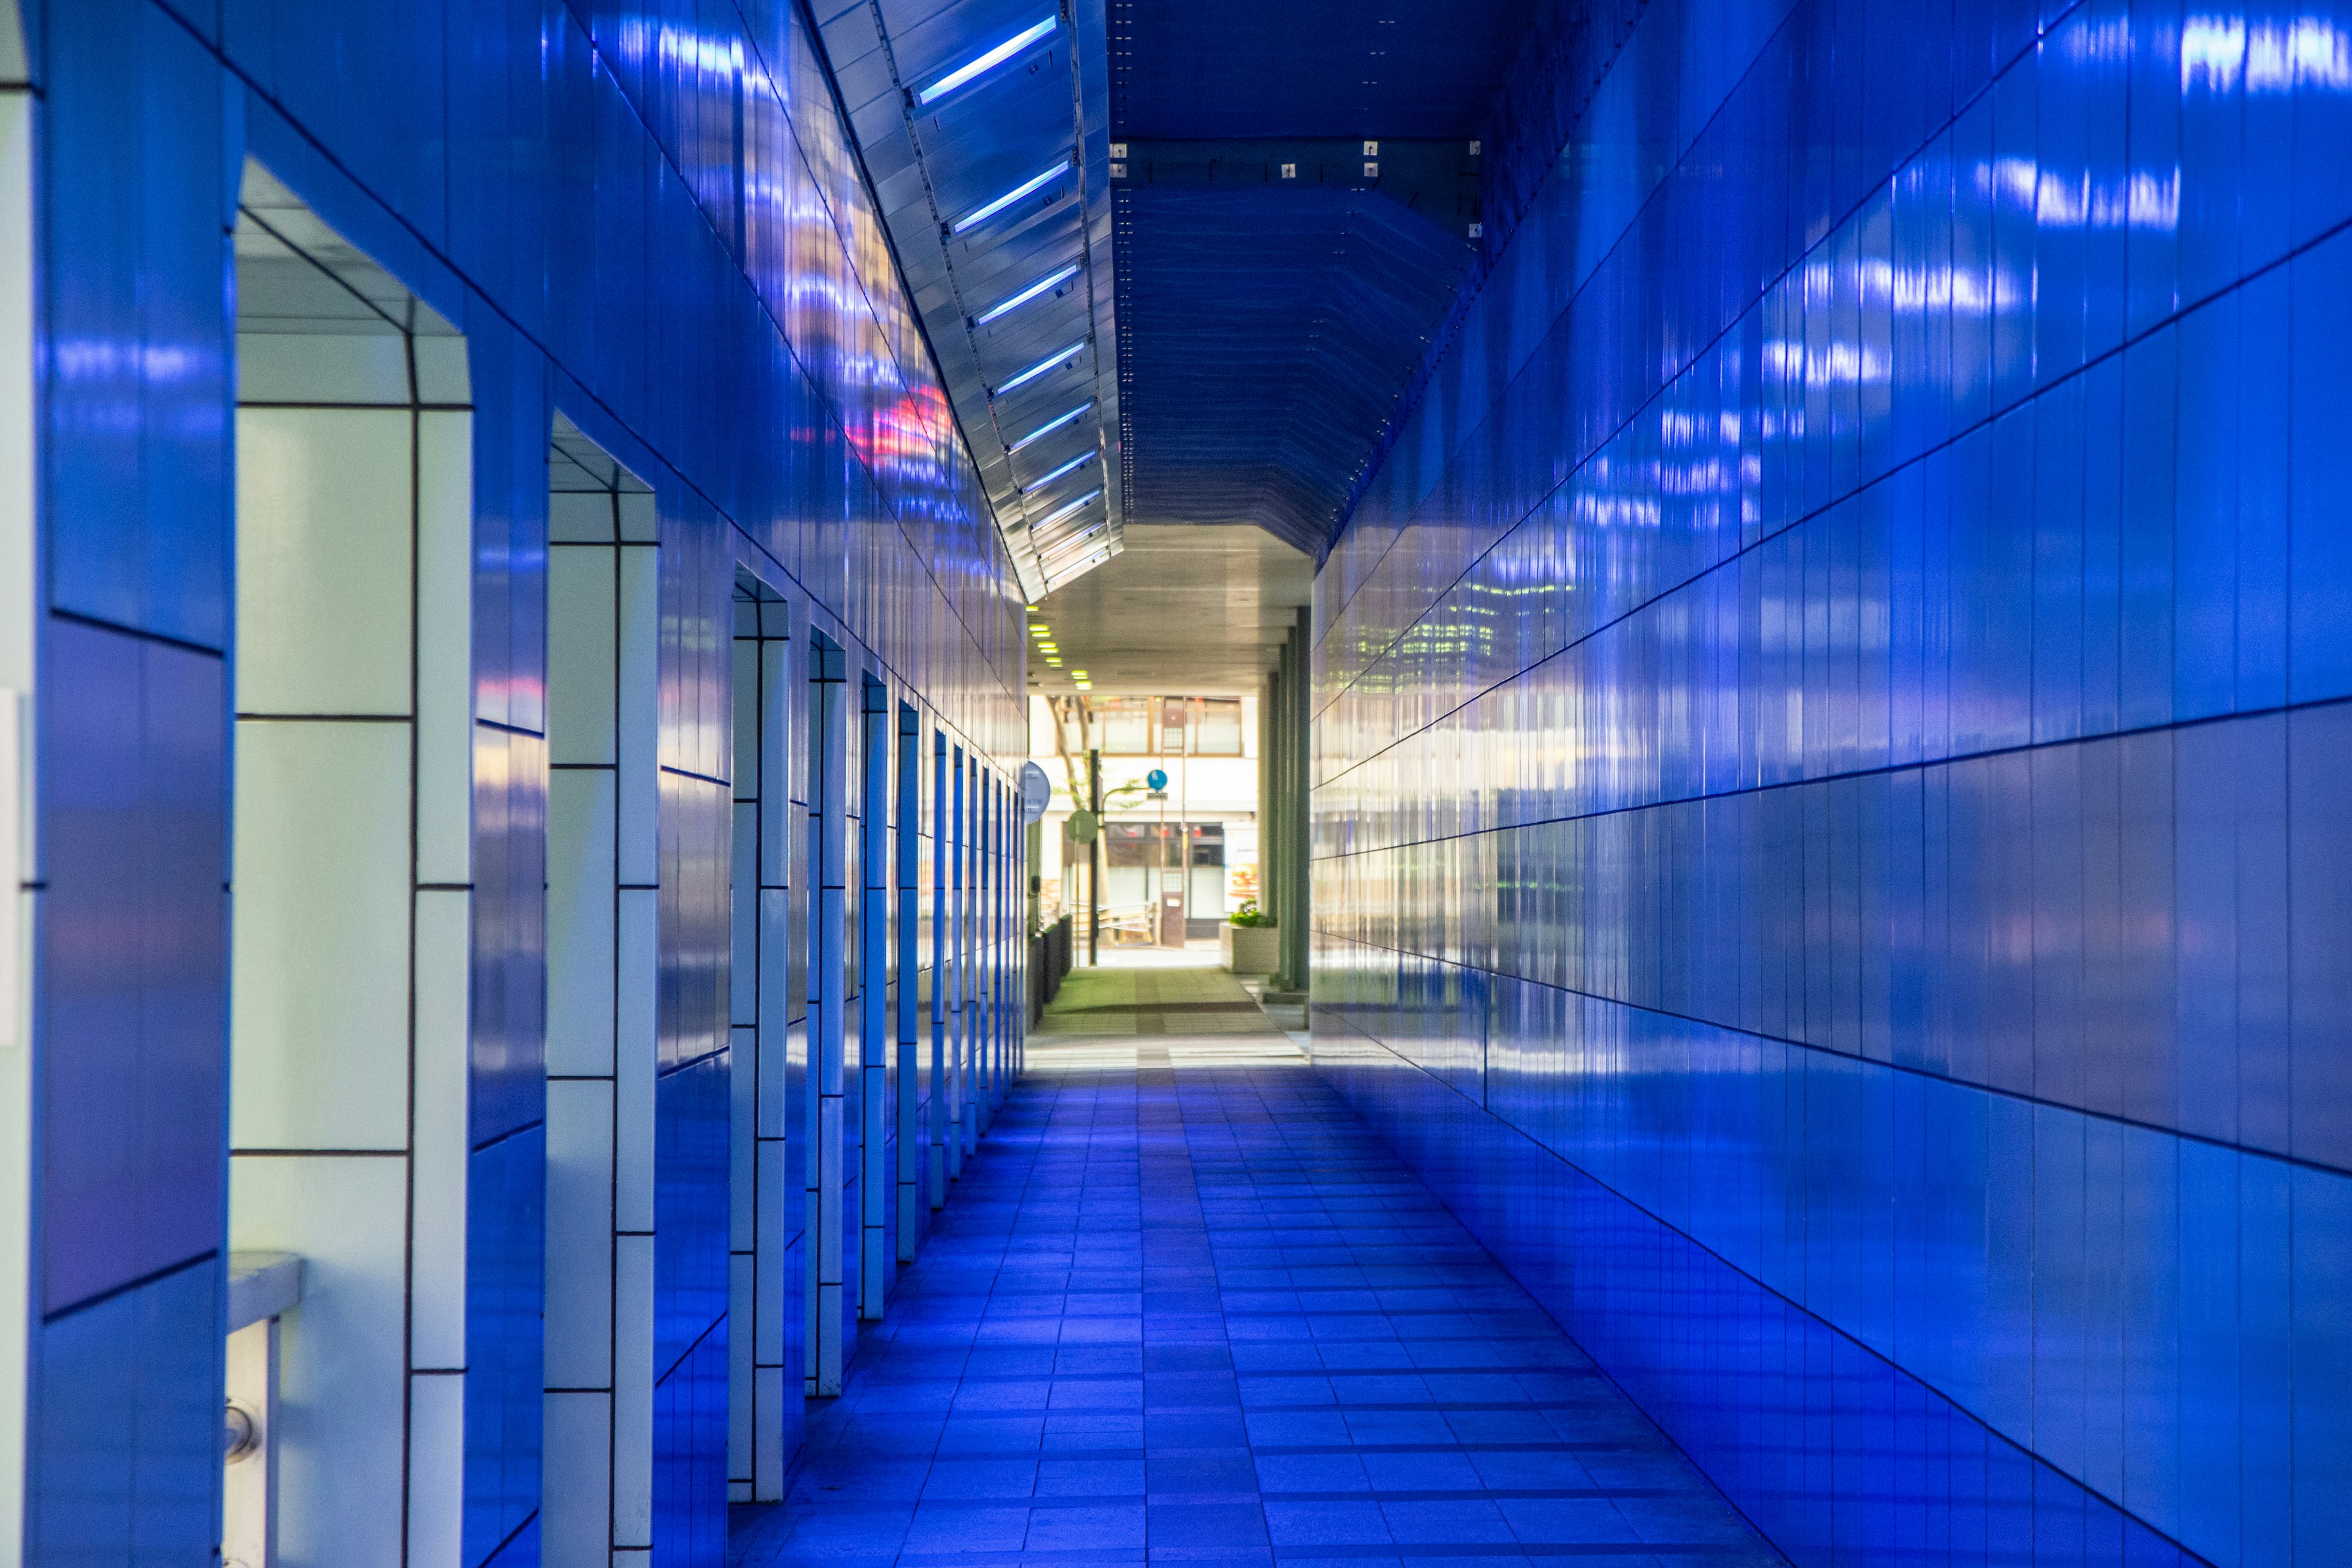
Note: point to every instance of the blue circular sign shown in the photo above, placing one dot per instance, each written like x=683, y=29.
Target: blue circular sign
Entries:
x=1157, y=778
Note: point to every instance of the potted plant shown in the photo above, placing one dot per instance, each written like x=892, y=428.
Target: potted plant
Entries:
x=1249, y=940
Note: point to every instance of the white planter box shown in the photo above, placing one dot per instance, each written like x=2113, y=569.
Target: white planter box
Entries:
x=1250, y=950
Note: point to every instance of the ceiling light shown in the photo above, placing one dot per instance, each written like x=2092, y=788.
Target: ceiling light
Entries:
x=1048, y=427
x=1039, y=628
x=1051, y=281
x=1052, y=361
x=982, y=64
x=1048, y=648
x=1078, y=674
x=1078, y=538
x=1072, y=466
x=1067, y=508
x=1052, y=664
x=1028, y=187
x=1100, y=555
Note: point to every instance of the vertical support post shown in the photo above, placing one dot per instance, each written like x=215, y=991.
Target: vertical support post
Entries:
x=968, y=913
x=1284, y=852
x=776, y=1412
x=1296, y=944
x=1017, y=931
x=828, y=982
x=1269, y=815
x=984, y=943
x=910, y=1135
x=1031, y=836
x=940, y=1127
x=959, y=973
x=874, y=1184
x=1001, y=803
x=1093, y=858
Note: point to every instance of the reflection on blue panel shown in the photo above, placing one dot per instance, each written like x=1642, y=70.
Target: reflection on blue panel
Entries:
x=131, y=1465
x=690, y=1455
x=690, y=1124
x=1828, y=736
x=506, y=1240
x=135, y=841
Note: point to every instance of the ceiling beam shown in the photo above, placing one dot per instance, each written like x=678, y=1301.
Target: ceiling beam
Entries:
x=1435, y=178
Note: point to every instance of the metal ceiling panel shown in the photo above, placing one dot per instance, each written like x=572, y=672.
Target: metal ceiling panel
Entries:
x=1269, y=329
x=1311, y=68
x=1268, y=336
x=984, y=126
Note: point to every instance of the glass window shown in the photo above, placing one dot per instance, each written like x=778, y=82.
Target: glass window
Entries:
x=1218, y=732
x=1125, y=725
x=1140, y=844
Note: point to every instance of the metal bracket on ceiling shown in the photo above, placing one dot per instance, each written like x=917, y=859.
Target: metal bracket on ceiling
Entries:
x=1437, y=178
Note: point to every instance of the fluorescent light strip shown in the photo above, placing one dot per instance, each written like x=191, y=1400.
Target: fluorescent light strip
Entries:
x=1068, y=508
x=1095, y=527
x=987, y=62
x=1048, y=427
x=1027, y=187
x=1051, y=281
x=1072, y=466
x=1081, y=537
x=1051, y=361
x=1097, y=558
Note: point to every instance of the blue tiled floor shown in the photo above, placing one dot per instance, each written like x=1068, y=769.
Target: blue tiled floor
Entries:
x=1198, y=1314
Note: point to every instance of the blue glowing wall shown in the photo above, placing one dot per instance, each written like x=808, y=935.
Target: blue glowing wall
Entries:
x=653, y=225
x=1832, y=776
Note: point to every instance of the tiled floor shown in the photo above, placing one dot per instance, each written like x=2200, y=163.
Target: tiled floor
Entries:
x=1184, y=1307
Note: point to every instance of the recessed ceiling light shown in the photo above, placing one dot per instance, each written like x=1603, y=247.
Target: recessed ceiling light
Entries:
x=1100, y=555
x=981, y=65
x=1048, y=427
x=1046, y=285
x=1052, y=361
x=1026, y=188
x=1072, y=466
x=1080, y=537
x=1067, y=508
x=1038, y=628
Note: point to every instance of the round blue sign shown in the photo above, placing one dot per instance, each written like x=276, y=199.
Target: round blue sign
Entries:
x=1157, y=778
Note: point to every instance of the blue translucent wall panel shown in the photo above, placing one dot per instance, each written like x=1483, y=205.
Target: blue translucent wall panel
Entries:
x=1828, y=730
x=127, y=1424
x=506, y=1284
x=657, y=221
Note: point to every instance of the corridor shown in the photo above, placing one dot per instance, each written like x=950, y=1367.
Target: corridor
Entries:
x=1175, y=780
x=1186, y=1308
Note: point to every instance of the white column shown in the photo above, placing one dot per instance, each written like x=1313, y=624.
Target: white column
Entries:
x=906, y=832
x=959, y=975
x=968, y=958
x=21, y=872
x=942, y=999
x=597, y=1459
x=351, y=881
x=877, y=1192
x=779, y=1208
x=828, y=980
